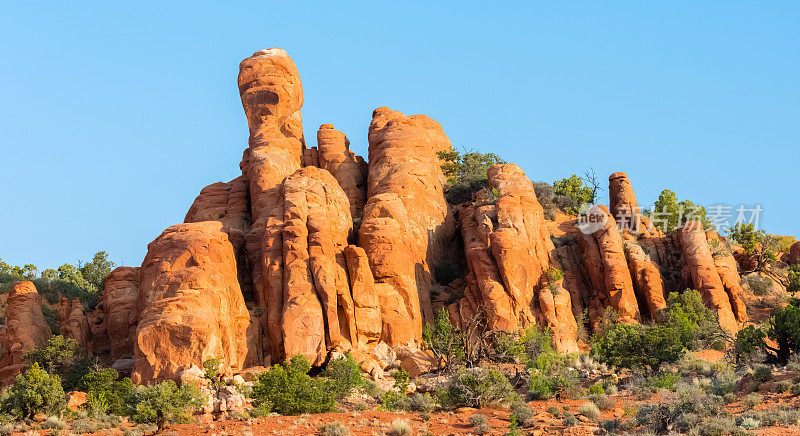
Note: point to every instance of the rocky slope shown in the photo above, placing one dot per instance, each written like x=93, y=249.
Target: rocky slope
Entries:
x=314, y=250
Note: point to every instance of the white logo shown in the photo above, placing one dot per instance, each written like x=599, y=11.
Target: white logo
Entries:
x=591, y=218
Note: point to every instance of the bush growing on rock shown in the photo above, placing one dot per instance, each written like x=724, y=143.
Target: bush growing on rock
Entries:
x=35, y=392
x=794, y=279
x=443, y=339
x=289, y=390
x=163, y=403
x=466, y=173
x=571, y=193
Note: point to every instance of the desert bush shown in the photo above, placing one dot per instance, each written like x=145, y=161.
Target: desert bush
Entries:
x=105, y=392
x=602, y=401
x=334, y=429
x=211, y=371
x=400, y=427
x=749, y=424
x=596, y=388
x=553, y=411
x=466, y=173
x=752, y=400
x=759, y=285
x=762, y=373
x=345, y=373
x=783, y=386
x=749, y=341
x=35, y=391
x=761, y=246
x=479, y=424
x=636, y=345
x=443, y=339
x=785, y=329
x=291, y=391
x=477, y=387
x=53, y=423
x=793, y=274
x=570, y=420
x=698, y=325
x=570, y=193
x=671, y=213
x=521, y=411
x=62, y=356
x=590, y=410
x=396, y=398
x=163, y=403
x=546, y=196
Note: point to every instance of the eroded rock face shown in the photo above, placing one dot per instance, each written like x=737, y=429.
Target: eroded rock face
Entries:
x=726, y=267
x=705, y=277
x=25, y=330
x=406, y=218
x=349, y=170
x=121, y=314
x=317, y=225
x=73, y=323
x=272, y=96
x=190, y=304
x=508, y=251
x=794, y=253
x=624, y=207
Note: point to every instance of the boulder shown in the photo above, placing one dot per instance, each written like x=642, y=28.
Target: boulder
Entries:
x=794, y=253
x=191, y=306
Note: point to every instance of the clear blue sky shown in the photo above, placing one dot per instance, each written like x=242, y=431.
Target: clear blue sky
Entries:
x=114, y=115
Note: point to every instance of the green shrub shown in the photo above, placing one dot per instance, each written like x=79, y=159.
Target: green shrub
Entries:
x=163, y=403
x=749, y=341
x=55, y=356
x=477, y=387
x=521, y=411
x=785, y=329
x=698, y=325
x=673, y=213
x=636, y=345
x=53, y=423
x=570, y=420
x=554, y=411
x=759, y=285
x=596, y=388
x=794, y=279
x=466, y=173
x=105, y=393
x=571, y=193
x=211, y=371
x=762, y=373
x=34, y=392
x=667, y=380
x=443, y=339
x=345, y=373
x=51, y=317
x=750, y=424
x=291, y=391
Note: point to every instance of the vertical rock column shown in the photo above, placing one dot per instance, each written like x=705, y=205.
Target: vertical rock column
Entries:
x=348, y=169
x=700, y=263
x=121, y=314
x=272, y=96
x=406, y=219
x=25, y=330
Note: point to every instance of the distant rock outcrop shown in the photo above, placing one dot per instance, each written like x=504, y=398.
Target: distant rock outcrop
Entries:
x=314, y=251
x=26, y=328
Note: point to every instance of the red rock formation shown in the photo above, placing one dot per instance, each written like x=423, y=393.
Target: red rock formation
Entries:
x=728, y=272
x=272, y=96
x=25, y=330
x=120, y=312
x=508, y=251
x=73, y=323
x=794, y=253
x=317, y=226
x=406, y=218
x=366, y=301
x=190, y=304
x=624, y=206
x=647, y=279
x=223, y=202
x=348, y=169
x=700, y=263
